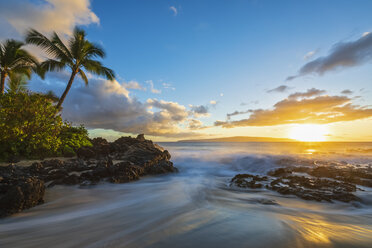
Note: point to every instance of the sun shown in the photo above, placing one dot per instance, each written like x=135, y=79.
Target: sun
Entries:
x=309, y=132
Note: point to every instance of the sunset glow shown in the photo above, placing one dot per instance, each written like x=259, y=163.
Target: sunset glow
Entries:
x=185, y=123
x=309, y=132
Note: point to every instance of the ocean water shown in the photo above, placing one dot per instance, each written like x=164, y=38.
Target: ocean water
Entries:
x=198, y=208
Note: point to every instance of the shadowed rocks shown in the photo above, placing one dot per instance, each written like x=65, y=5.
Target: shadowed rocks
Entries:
x=19, y=194
x=121, y=161
x=319, y=181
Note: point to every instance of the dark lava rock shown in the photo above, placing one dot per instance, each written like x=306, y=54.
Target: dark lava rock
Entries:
x=125, y=172
x=141, y=137
x=314, y=189
x=19, y=194
x=360, y=176
x=325, y=181
x=248, y=181
x=134, y=157
x=37, y=167
x=86, y=152
x=279, y=172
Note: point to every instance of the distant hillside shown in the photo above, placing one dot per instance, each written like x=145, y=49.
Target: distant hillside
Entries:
x=241, y=139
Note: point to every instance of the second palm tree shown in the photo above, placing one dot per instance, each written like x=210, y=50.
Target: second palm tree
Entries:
x=79, y=54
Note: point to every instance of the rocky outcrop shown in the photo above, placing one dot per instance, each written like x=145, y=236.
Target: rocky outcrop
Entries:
x=19, y=194
x=319, y=182
x=121, y=161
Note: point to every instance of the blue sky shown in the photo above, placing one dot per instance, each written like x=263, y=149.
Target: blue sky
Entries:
x=231, y=52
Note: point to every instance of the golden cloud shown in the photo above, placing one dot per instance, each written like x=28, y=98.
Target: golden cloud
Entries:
x=301, y=109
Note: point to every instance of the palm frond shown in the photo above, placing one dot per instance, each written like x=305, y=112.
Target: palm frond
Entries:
x=92, y=50
x=22, y=59
x=83, y=76
x=97, y=68
x=23, y=70
x=38, y=39
x=10, y=49
x=59, y=43
x=52, y=65
x=17, y=83
x=76, y=43
x=1, y=51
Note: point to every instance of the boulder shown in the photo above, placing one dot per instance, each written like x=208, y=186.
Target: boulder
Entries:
x=323, y=182
x=23, y=187
x=85, y=152
x=19, y=194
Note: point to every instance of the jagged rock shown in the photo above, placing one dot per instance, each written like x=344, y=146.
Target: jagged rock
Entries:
x=161, y=168
x=141, y=137
x=279, y=172
x=19, y=194
x=37, y=167
x=325, y=182
x=125, y=172
x=85, y=153
x=248, y=181
x=137, y=157
x=314, y=189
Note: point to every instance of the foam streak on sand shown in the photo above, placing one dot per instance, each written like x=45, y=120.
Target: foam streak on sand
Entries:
x=197, y=207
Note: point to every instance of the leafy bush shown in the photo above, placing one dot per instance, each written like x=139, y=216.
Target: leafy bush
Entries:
x=31, y=128
x=29, y=125
x=73, y=138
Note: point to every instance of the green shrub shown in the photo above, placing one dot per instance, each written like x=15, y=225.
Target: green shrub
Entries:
x=30, y=127
x=68, y=151
x=73, y=138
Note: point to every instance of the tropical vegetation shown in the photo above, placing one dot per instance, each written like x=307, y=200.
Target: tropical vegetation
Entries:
x=15, y=60
x=31, y=124
x=31, y=128
x=78, y=55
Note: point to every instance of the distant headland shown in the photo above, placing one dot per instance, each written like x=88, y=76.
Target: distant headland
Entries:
x=241, y=139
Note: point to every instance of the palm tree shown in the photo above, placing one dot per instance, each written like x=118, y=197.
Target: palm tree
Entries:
x=14, y=59
x=79, y=54
x=17, y=83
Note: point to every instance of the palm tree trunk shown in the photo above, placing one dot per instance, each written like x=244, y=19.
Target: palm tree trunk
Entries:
x=73, y=74
x=2, y=87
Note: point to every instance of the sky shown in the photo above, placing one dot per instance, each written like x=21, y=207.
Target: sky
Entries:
x=206, y=69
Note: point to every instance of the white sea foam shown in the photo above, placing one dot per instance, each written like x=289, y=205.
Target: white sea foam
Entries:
x=197, y=208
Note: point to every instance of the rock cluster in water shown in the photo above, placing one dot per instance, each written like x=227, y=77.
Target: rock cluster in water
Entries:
x=311, y=181
x=121, y=161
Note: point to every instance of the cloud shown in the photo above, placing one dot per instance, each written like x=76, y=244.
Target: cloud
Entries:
x=152, y=89
x=99, y=107
x=168, y=86
x=57, y=15
x=281, y=88
x=109, y=105
x=133, y=85
x=171, y=110
x=199, y=110
x=309, y=93
x=194, y=124
x=346, y=92
x=301, y=109
x=174, y=10
x=342, y=55
x=309, y=55
x=202, y=110
x=229, y=115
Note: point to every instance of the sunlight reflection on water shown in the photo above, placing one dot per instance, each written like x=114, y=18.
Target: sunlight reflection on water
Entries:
x=197, y=207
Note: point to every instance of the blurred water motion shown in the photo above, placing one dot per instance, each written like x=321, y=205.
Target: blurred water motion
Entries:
x=197, y=207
